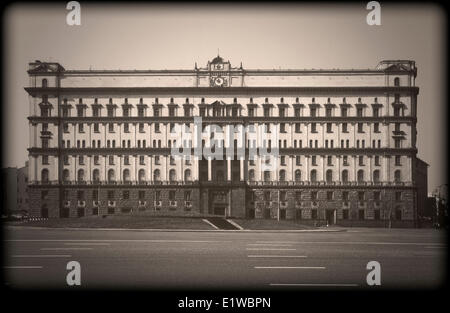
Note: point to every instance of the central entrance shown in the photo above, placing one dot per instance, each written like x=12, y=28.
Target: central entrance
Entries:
x=331, y=216
x=219, y=201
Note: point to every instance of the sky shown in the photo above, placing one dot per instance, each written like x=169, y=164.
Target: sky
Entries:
x=291, y=36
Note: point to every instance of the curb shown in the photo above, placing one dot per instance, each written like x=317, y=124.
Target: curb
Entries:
x=185, y=230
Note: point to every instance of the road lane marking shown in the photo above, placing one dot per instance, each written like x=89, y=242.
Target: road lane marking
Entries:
x=357, y=243
x=66, y=248
x=316, y=285
x=87, y=244
x=270, y=244
x=271, y=249
x=277, y=256
x=435, y=247
x=292, y=267
x=22, y=267
x=81, y=241
x=41, y=256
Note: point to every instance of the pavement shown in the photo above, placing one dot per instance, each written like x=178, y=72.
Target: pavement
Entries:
x=239, y=260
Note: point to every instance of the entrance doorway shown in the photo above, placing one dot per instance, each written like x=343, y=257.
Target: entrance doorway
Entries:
x=331, y=217
x=219, y=210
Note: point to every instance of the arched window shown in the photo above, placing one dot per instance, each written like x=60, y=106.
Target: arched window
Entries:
x=267, y=176
x=313, y=177
x=345, y=176
x=172, y=175
x=376, y=176
x=360, y=176
x=141, y=175
x=126, y=175
x=96, y=175
x=187, y=175
x=282, y=176
x=66, y=175
x=298, y=175
x=396, y=81
x=44, y=175
x=157, y=175
x=80, y=176
x=44, y=83
x=251, y=175
x=329, y=176
x=111, y=175
x=397, y=176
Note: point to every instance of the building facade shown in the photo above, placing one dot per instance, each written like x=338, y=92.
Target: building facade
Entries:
x=100, y=143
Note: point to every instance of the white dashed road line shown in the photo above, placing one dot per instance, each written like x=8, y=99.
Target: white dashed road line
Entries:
x=271, y=249
x=41, y=256
x=277, y=256
x=315, y=285
x=22, y=267
x=67, y=248
x=292, y=267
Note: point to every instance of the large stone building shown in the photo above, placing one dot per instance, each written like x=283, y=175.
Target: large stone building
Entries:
x=100, y=142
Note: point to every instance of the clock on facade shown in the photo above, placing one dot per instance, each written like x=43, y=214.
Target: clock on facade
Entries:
x=218, y=81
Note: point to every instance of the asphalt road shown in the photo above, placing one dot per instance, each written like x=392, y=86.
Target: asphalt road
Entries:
x=37, y=258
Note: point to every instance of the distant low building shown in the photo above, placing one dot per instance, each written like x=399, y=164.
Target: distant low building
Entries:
x=22, y=188
x=9, y=189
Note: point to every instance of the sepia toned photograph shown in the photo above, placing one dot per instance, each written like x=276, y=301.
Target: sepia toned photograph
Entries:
x=197, y=146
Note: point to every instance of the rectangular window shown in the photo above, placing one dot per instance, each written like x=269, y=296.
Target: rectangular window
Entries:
x=344, y=128
x=398, y=160
x=126, y=194
x=376, y=127
x=110, y=194
x=81, y=128
x=377, y=195
x=313, y=128
x=126, y=127
x=96, y=128
x=158, y=195
x=111, y=127
x=314, y=214
x=361, y=195
x=45, y=159
x=329, y=128
x=360, y=128
x=141, y=194
x=329, y=195
x=157, y=130
x=314, y=195
x=171, y=195
x=398, y=196
x=110, y=112
x=345, y=195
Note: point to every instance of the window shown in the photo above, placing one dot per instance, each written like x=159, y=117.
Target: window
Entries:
x=376, y=127
x=96, y=175
x=377, y=195
x=376, y=176
x=298, y=175
x=329, y=128
x=80, y=194
x=111, y=160
x=44, y=194
x=45, y=159
x=359, y=112
x=267, y=176
x=377, y=160
x=361, y=160
x=360, y=176
x=314, y=214
x=157, y=129
x=313, y=112
x=329, y=176
x=157, y=175
x=344, y=112
x=81, y=160
x=111, y=127
x=314, y=160
x=398, y=160
x=126, y=175
x=398, y=196
x=345, y=176
x=360, y=128
x=345, y=160
x=96, y=128
x=328, y=112
x=282, y=128
x=126, y=127
x=141, y=194
x=313, y=195
x=397, y=176
x=80, y=176
x=187, y=175
x=313, y=177
x=126, y=194
x=345, y=196
x=344, y=128
x=313, y=128
x=329, y=160
x=361, y=196
x=110, y=194
x=267, y=196
x=44, y=175
x=329, y=195
x=396, y=81
x=282, y=176
x=297, y=128
x=171, y=195
x=376, y=112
